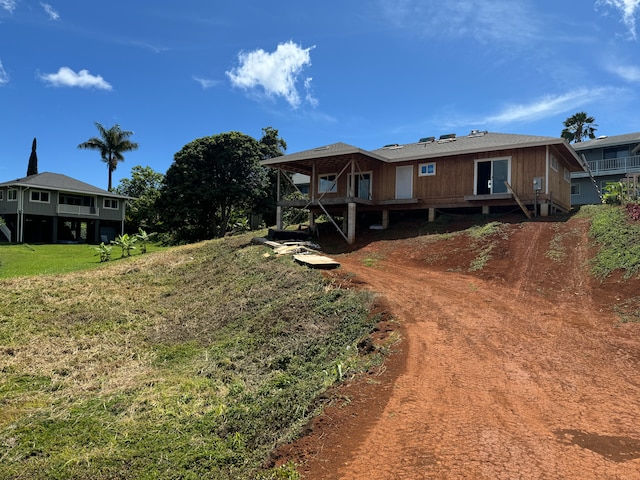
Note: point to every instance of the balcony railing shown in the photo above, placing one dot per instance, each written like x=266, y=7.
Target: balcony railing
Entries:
x=612, y=166
x=77, y=210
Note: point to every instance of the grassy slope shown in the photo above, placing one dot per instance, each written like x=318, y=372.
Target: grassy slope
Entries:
x=193, y=362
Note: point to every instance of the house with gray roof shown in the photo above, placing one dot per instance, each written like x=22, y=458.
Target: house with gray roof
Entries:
x=52, y=208
x=609, y=159
x=478, y=172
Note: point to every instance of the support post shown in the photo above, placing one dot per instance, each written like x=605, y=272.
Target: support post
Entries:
x=351, y=229
x=432, y=214
x=385, y=219
x=544, y=209
x=279, y=217
x=485, y=209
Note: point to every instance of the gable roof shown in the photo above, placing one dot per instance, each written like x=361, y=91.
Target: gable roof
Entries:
x=57, y=181
x=476, y=142
x=606, y=141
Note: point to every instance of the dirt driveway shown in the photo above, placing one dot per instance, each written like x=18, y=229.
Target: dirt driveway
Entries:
x=518, y=369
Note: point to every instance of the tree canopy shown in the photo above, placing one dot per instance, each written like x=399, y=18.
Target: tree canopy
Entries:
x=210, y=178
x=579, y=126
x=111, y=144
x=144, y=188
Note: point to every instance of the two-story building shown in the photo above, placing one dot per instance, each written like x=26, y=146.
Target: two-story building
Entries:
x=53, y=208
x=610, y=159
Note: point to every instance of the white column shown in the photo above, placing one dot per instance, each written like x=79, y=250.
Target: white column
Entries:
x=432, y=214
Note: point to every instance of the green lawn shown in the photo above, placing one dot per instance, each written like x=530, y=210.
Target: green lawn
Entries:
x=26, y=260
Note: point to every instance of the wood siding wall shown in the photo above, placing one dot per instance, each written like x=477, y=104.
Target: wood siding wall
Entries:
x=455, y=178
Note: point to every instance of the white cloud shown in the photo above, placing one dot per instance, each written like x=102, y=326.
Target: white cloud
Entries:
x=68, y=78
x=498, y=20
x=547, y=106
x=8, y=5
x=629, y=73
x=629, y=10
x=276, y=73
x=4, y=77
x=53, y=15
x=205, y=83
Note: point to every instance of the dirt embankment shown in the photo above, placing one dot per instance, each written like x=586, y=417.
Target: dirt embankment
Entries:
x=512, y=364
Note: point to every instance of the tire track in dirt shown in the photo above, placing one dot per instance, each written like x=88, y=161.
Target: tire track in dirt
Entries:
x=498, y=382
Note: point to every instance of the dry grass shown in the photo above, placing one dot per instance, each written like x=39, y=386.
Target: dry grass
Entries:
x=193, y=361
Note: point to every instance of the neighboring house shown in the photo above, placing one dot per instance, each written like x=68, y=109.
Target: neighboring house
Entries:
x=477, y=172
x=52, y=208
x=609, y=159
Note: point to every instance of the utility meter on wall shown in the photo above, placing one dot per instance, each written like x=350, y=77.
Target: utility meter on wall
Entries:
x=537, y=183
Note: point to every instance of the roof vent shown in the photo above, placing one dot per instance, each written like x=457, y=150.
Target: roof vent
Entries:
x=478, y=133
x=449, y=137
x=319, y=149
x=426, y=139
x=392, y=146
x=601, y=137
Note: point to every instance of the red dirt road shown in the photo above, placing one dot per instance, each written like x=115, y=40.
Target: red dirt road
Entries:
x=519, y=370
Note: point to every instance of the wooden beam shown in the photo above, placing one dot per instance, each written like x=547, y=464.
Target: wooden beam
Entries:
x=522, y=206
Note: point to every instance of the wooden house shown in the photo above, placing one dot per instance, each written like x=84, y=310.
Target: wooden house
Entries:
x=478, y=172
x=52, y=208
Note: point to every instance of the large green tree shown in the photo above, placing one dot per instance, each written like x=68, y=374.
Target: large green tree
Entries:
x=111, y=143
x=210, y=178
x=144, y=188
x=272, y=146
x=579, y=126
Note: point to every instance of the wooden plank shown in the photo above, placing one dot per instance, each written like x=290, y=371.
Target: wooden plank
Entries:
x=316, y=261
x=524, y=209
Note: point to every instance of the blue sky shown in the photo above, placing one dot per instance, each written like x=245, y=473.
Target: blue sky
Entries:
x=367, y=73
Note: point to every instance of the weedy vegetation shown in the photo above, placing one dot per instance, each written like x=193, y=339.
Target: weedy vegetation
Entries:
x=189, y=362
x=616, y=234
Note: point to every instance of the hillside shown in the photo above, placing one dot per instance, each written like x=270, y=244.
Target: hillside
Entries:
x=193, y=362
x=515, y=362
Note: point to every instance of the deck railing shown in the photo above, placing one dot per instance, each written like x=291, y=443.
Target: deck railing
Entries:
x=64, y=209
x=624, y=164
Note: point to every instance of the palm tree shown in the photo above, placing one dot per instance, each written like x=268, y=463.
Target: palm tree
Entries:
x=111, y=143
x=579, y=126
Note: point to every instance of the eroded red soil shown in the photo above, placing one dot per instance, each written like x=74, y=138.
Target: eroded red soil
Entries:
x=519, y=369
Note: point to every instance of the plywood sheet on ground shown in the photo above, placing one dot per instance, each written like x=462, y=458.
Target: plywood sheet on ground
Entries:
x=316, y=261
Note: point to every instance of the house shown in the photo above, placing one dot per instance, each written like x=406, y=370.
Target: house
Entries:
x=51, y=208
x=609, y=159
x=477, y=172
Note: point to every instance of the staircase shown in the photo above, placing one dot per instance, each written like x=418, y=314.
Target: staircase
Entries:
x=585, y=164
x=4, y=230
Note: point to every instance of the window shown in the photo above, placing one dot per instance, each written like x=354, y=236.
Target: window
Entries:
x=567, y=175
x=426, y=169
x=327, y=183
x=111, y=203
x=575, y=189
x=615, y=152
x=38, y=196
x=12, y=195
x=1, y=194
x=554, y=163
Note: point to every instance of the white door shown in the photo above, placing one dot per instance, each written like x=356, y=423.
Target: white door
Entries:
x=404, y=182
